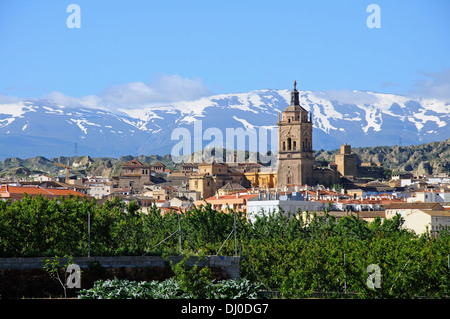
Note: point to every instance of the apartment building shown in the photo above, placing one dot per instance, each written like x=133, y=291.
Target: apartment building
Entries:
x=420, y=217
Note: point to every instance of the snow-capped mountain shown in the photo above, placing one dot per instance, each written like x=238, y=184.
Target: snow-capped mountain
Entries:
x=41, y=127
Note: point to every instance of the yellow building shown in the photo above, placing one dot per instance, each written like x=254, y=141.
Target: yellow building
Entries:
x=262, y=179
x=212, y=176
x=420, y=217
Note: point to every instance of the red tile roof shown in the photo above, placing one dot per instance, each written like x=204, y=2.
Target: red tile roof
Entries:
x=232, y=196
x=7, y=191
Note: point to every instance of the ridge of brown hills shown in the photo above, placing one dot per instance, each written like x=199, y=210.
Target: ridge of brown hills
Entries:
x=420, y=160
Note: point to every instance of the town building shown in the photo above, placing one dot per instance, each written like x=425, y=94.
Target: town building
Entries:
x=212, y=176
x=99, y=189
x=78, y=187
x=347, y=162
x=295, y=148
x=162, y=191
x=288, y=202
x=43, y=178
x=235, y=201
x=230, y=188
x=295, y=153
x=159, y=168
x=421, y=217
x=181, y=202
x=262, y=177
x=369, y=216
x=348, y=165
x=430, y=196
x=134, y=175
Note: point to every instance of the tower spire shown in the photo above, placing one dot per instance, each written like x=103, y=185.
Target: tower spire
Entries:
x=294, y=95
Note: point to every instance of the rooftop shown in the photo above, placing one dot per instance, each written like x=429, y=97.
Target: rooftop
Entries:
x=422, y=206
x=135, y=163
x=8, y=191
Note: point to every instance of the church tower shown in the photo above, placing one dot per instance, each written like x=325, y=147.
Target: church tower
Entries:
x=295, y=155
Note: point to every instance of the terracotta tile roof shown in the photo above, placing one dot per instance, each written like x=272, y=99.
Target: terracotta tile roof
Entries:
x=425, y=206
x=8, y=191
x=437, y=213
x=233, y=196
x=135, y=163
x=159, y=164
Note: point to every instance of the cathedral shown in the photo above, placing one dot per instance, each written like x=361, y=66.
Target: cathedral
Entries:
x=295, y=152
x=295, y=160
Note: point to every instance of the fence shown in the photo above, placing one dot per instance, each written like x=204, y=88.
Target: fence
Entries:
x=25, y=277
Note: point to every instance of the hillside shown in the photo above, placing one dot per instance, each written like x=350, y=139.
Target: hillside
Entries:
x=423, y=159
x=82, y=165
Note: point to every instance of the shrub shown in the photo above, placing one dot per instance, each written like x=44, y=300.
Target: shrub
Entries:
x=125, y=289
x=168, y=289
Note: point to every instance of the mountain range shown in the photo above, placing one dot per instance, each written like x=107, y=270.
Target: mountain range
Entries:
x=39, y=127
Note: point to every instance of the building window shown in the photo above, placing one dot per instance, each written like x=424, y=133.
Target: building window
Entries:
x=289, y=143
x=295, y=145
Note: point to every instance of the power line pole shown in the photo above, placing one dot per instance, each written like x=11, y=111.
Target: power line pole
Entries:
x=235, y=242
x=345, y=277
x=179, y=232
x=89, y=233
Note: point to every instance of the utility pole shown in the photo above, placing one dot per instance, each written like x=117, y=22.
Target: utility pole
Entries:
x=235, y=242
x=345, y=277
x=89, y=233
x=179, y=232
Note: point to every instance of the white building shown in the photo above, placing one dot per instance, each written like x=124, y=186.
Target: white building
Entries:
x=99, y=189
x=43, y=178
x=420, y=217
x=430, y=197
x=291, y=203
x=181, y=202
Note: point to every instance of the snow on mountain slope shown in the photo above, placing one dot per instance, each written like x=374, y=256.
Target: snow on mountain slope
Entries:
x=360, y=118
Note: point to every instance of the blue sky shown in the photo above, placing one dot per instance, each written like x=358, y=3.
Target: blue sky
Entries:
x=188, y=49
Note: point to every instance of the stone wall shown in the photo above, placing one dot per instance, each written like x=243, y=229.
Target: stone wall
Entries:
x=25, y=277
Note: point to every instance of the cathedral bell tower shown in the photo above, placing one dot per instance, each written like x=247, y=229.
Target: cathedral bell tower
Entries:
x=295, y=155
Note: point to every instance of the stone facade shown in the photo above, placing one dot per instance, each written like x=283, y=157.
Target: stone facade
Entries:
x=346, y=161
x=295, y=154
x=212, y=176
x=134, y=175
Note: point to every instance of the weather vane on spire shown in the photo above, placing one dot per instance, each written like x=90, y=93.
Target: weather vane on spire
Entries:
x=295, y=85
